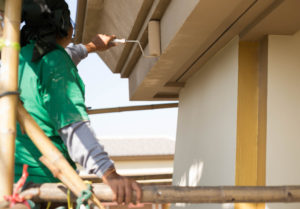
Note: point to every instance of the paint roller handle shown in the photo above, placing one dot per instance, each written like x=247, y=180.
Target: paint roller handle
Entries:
x=119, y=41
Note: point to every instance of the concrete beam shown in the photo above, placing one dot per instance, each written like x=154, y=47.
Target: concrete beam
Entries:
x=122, y=18
x=190, y=36
x=156, y=12
x=80, y=19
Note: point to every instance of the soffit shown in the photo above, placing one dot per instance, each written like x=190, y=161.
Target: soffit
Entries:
x=188, y=41
x=189, y=50
x=283, y=19
x=200, y=29
x=119, y=17
x=2, y=5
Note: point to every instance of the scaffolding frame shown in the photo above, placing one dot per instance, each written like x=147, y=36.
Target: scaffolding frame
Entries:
x=12, y=109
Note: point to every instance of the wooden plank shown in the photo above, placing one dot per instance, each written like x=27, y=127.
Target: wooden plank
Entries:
x=131, y=108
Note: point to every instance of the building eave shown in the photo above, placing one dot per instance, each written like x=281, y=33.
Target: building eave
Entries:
x=189, y=37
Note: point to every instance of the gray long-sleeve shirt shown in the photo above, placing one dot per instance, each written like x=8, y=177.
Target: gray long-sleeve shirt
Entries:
x=79, y=137
x=77, y=52
x=84, y=148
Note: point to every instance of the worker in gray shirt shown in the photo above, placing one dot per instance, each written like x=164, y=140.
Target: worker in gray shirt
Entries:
x=78, y=135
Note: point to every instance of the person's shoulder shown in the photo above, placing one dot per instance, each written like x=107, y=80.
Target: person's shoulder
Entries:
x=57, y=63
x=57, y=58
x=26, y=52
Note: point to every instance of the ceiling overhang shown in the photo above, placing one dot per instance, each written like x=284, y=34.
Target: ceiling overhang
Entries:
x=191, y=33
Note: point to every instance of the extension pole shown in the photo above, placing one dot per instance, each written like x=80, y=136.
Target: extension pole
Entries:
x=52, y=157
x=8, y=103
x=177, y=194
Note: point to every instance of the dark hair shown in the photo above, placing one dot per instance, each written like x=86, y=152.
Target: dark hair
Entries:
x=45, y=20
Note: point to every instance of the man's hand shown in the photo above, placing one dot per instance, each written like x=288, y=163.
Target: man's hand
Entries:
x=100, y=42
x=122, y=187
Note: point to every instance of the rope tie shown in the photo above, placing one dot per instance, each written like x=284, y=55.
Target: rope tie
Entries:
x=6, y=43
x=15, y=197
x=48, y=205
x=84, y=197
x=7, y=93
x=70, y=204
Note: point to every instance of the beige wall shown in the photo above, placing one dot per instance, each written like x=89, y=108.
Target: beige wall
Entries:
x=174, y=17
x=283, y=116
x=206, y=132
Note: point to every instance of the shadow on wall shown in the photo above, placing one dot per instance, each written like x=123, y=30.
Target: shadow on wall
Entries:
x=192, y=178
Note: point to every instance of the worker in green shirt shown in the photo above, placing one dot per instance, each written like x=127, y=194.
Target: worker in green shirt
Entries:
x=53, y=93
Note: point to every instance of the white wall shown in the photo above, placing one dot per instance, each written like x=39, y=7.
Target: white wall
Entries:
x=147, y=167
x=206, y=133
x=283, y=116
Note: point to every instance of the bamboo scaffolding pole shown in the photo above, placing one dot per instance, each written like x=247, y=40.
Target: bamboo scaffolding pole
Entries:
x=176, y=194
x=52, y=158
x=131, y=108
x=5, y=205
x=19, y=206
x=94, y=178
x=8, y=103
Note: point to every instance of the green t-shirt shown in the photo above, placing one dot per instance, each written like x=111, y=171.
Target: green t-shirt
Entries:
x=53, y=93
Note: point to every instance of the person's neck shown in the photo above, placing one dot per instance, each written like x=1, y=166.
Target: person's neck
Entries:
x=62, y=42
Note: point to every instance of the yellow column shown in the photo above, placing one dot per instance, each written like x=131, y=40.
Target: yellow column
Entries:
x=251, y=117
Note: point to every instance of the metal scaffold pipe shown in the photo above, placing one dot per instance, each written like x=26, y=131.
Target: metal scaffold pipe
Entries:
x=177, y=194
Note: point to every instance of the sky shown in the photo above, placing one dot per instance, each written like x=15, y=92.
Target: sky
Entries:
x=105, y=89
